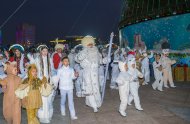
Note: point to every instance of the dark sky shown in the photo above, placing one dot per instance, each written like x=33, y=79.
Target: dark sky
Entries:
x=55, y=18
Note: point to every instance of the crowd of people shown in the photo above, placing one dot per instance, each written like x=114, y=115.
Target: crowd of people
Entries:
x=32, y=80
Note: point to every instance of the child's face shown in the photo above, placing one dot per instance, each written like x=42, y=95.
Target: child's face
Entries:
x=14, y=71
x=18, y=53
x=133, y=65
x=65, y=62
x=90, y=45
x=44, y=52
x=59, y=50
x=157, y=57
x=34, y=73
x=126, y=67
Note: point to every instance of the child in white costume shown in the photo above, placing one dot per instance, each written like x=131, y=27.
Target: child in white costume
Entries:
x=145, y=67
x=134, y=84
x=167, y=71
x=123, y=83
x=65, y=76
x=158, y=83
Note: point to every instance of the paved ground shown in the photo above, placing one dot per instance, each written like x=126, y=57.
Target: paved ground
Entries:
x=169, y=107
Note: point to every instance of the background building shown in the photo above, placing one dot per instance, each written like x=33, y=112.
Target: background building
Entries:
x=155, y=20
x=25, y=34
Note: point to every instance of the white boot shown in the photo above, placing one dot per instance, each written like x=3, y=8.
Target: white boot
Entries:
x=166, y=86
x=95, y=110
x=78, y=94
x=124, y=114
x=160, y=89
x=63, y=113
x=74, y=118
x=173, y=86
x=129, y=104
x=140, y=109
x=153, y=86
x=112, y=87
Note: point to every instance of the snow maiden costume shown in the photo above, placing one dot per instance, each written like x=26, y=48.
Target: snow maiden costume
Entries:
x=19, y=58
x=44, y=66
x=90, y=59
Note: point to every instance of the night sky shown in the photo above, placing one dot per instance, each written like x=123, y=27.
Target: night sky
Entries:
x=59, y=18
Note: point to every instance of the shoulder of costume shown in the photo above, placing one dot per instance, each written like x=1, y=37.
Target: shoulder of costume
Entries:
x=59, y=69
x=56, y=54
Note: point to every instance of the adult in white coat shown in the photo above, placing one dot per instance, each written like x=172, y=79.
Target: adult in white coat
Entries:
x=134, y=84
x=145, y=67
x=44, y=65
x=123, y=82
x=89, y=59
x=167, y=71
x=158, y=83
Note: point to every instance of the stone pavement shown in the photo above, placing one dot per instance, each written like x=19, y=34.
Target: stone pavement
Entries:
x=169, y=107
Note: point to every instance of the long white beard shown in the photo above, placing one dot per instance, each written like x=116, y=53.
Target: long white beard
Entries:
x=93, y=55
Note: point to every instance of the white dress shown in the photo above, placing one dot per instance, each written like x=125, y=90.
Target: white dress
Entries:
x=45, y=113
x=158, y=83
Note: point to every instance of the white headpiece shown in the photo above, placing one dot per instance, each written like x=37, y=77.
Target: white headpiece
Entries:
x=59, y=46
x=41, y=47
x=88, y=40
x=165, y=51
